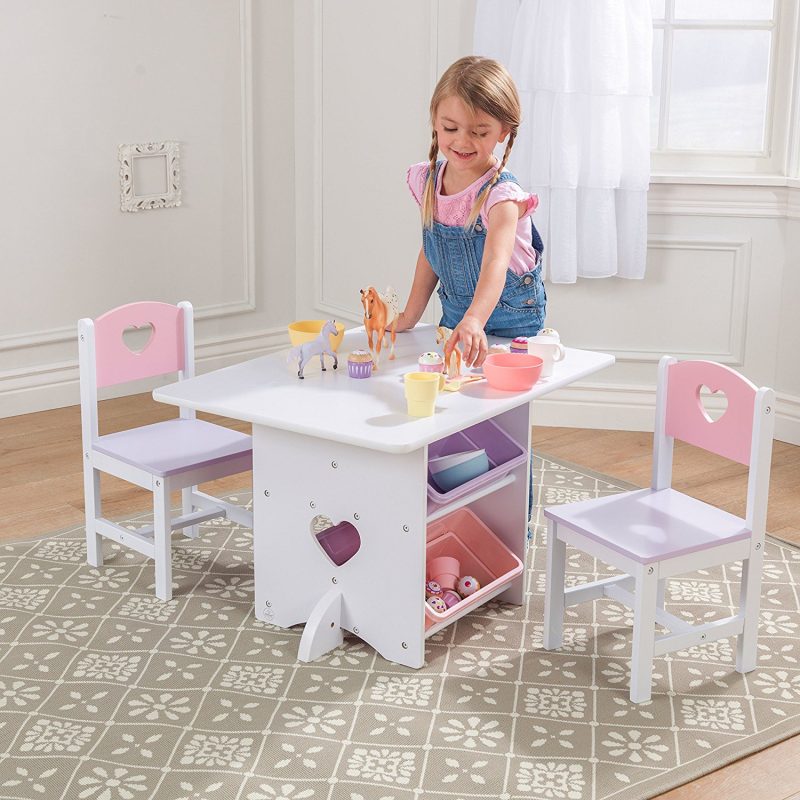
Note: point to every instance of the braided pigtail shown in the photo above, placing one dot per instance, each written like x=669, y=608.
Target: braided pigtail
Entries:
x=429, y=193
x=479, y=200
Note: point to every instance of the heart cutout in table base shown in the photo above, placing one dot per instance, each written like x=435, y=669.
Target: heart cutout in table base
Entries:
x=713, y=402
x=137, y=337
x=340, y=542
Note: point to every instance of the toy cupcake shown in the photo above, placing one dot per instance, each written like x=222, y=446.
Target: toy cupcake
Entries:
x=499, y=348
x=431, y=362
x=519, y=345
x=359, y=364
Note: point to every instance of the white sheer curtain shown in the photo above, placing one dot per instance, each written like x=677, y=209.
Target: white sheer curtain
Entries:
x=583, y=70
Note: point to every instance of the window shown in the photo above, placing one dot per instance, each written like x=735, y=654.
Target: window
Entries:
x=722, y=85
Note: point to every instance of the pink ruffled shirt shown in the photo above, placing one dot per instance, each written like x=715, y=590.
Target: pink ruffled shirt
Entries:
x=453, y=209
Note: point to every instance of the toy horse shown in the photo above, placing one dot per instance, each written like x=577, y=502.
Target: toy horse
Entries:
x=381, y=311
x=454, y=364
x=321, y=346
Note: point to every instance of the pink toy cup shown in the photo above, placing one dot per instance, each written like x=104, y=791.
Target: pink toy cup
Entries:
x=445, y=571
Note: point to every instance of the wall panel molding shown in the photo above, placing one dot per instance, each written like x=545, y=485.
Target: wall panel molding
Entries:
x=740, y=251
x=55, y=384
x=724, y=200
x=247, y=303
x=45, y=386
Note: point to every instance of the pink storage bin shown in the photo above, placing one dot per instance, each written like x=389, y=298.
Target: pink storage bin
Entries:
x=502, y=451
x=462, y=535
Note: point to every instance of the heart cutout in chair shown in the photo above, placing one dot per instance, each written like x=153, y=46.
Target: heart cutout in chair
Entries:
x=340, y=542
x=713, y=402
x=137, y=337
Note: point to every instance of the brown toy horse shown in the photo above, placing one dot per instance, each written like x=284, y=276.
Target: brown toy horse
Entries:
x=454, y=362
x=380, y=313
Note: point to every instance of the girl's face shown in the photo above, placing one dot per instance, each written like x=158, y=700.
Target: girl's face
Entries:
x=467, y=141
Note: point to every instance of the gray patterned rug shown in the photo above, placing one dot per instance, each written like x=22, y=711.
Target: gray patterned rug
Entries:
x=108, y=694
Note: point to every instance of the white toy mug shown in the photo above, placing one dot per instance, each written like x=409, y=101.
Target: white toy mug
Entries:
x=549, y=350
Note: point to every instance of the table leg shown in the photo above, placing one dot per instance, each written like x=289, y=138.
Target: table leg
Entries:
x=297, y=478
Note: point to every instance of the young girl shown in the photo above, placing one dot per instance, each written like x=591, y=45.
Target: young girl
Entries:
x=478, y=240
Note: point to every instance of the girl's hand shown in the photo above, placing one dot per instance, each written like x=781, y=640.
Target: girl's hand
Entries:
x=474, y=347
x=403, y=322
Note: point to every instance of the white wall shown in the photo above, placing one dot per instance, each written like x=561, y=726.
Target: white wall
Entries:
x=331, y=98
x=722, y=278
x=80, y=78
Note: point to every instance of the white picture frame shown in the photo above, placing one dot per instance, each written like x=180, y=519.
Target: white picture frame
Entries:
x=154, y=192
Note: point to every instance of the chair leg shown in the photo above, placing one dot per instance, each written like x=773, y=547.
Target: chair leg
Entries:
x=644, y=635
x=193, y=531
x=554, y=589
x=661, y=593
x=749, y=607
x=162, y=538
x=93, y=505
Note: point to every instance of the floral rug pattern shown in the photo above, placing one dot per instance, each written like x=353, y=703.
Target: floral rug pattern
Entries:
x=108, y=694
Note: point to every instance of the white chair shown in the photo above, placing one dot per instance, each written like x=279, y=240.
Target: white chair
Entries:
x=166, y=456
x=654, y=534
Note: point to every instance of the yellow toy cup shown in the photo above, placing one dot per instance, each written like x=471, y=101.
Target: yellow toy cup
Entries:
x=421, y=391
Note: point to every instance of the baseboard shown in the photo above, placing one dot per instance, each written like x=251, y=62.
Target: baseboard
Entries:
x=56, y=385
x=787, y=423
x=603, y=407
x=632, y=408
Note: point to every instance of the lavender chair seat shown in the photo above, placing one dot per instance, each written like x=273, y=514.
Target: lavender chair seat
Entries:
x=650, y=525
x=174, y=446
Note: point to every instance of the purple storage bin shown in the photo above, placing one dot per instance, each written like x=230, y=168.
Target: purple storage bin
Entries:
x=502, y=451
x=341, y=542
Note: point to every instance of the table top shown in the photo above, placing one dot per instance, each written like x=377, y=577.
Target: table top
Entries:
x=369, y=412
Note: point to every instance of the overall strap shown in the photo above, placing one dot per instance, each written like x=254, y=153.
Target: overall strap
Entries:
x=435, y=173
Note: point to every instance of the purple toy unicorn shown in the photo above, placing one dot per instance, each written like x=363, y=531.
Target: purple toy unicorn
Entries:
x=321, y=346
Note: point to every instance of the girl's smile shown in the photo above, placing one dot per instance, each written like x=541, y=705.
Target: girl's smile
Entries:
x=466, y=140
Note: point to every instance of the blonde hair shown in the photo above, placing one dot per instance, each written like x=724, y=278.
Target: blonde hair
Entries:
x=482, y=84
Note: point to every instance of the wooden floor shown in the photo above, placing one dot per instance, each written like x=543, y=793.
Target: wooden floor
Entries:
x=41, y=491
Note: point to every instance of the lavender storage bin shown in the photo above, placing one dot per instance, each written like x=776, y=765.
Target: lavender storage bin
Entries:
x=340, y=543
x=502, y=451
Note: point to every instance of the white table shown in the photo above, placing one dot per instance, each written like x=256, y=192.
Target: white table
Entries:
x=345, y=448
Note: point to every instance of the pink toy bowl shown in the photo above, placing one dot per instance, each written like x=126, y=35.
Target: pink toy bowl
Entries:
x=445, y=571
x=512, y=372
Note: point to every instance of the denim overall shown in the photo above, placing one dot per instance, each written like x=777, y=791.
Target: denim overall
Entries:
x=455, y=255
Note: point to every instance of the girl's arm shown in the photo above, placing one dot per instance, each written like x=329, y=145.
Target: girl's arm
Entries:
x=500, y=236
x=425, y=281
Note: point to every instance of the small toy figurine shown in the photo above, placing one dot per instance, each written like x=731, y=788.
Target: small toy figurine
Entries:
x=467, y=585
x=451, y=597
x=437, y=604
x=432, y=589
x=321, y=346
x=381, y=311
x=454, y=366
